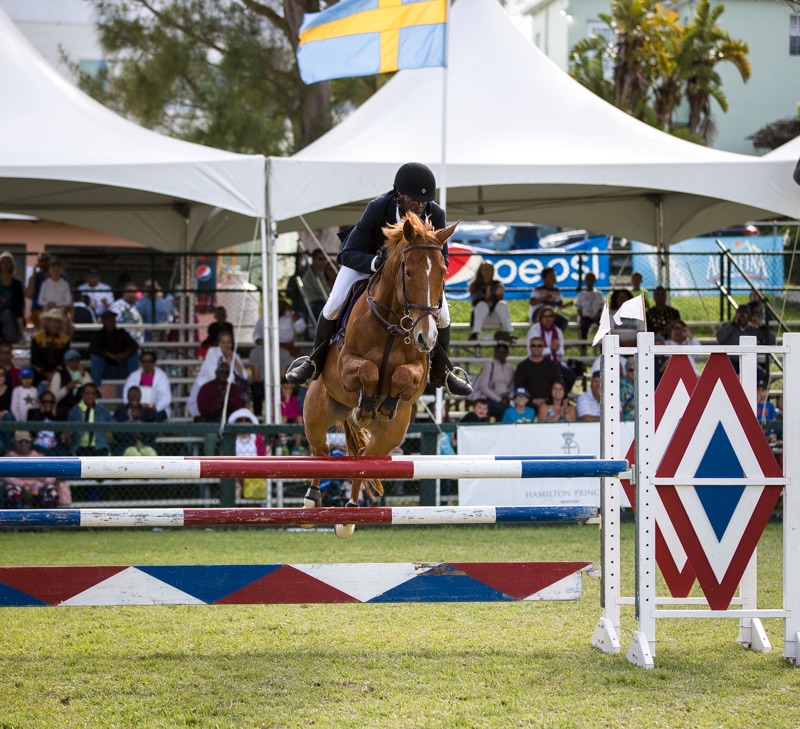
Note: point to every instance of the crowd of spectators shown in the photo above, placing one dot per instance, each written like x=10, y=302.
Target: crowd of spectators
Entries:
x=56, y=385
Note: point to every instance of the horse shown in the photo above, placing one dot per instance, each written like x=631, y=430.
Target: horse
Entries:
x=371, y=383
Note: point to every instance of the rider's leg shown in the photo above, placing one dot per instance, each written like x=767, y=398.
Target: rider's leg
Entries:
x=304, y=368
x=439, y=373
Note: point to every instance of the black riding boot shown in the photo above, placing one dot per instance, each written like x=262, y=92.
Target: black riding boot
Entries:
x=440, y=375
x=304, y=368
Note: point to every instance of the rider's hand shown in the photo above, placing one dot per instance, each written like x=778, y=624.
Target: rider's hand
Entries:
x=379, y=260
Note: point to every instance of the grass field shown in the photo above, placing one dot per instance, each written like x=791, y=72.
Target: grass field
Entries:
x=443, y=665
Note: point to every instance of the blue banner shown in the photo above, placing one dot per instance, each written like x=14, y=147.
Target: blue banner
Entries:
x=521, y=271
x=694, y=272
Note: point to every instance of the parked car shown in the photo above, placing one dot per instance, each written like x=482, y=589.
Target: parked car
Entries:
x=735, y=231
x=501, y=236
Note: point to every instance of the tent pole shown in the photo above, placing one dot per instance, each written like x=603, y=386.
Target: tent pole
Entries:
x=274, y=333
x=439, y=404
x=270, y=351
x=661, y=248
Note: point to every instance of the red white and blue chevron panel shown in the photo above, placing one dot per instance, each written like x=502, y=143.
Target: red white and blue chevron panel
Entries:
x=272, y=584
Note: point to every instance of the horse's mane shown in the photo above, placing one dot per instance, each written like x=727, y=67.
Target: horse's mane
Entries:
x=394, y=233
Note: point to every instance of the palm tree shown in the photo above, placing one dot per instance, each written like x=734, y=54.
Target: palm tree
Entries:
x=706, y=45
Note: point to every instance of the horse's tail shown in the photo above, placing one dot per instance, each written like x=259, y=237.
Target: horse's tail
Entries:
x=357, y=439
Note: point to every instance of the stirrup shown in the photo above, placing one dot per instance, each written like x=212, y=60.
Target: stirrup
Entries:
x=300, y=364
x=462, y=386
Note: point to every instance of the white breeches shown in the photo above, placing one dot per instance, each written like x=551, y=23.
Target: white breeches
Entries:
x=499, y=317
x=341, y=287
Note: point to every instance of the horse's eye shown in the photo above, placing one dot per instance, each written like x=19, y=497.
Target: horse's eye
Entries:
x=408, y=273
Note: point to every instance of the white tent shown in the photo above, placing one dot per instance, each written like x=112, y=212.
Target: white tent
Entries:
x=524, y=142
x=67, y=158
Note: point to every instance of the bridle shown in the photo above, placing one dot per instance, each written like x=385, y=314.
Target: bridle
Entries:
x=406, y=322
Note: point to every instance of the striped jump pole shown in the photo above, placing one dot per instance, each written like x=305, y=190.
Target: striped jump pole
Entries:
x=332, y=467
x=281, y=584
x=390, y=459
x=406, y=516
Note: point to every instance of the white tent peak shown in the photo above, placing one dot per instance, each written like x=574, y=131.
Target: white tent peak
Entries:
x=65, y=157
x=524, y=142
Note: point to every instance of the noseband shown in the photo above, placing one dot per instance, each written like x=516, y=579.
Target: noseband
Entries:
x=406, y=321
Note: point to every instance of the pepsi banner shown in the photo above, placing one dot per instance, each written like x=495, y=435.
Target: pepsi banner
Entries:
x=697, y=264
x=521, y=271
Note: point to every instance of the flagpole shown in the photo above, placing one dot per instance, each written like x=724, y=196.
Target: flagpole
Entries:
x=439, y=404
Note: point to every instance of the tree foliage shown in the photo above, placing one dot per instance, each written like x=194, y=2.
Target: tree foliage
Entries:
x=658, y=64
x=217, y=72
x=777, y=133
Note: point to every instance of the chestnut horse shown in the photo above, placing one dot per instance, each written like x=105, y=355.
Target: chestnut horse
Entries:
x=372, y=382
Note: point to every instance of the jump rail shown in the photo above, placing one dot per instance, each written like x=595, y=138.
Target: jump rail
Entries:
x=412, y=515
x=90, y=467
x=273, y=584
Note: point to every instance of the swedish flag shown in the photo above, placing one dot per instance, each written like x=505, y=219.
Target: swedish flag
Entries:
x=365, y=37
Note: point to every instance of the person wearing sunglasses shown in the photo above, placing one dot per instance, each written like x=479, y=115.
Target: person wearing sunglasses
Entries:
x=47, y=442
x=154, y=385
x=537, y=373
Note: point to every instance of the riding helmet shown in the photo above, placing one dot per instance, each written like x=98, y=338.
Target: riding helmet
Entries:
x=415, y=180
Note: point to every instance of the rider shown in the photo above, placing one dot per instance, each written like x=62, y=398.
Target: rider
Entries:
x=414, y=189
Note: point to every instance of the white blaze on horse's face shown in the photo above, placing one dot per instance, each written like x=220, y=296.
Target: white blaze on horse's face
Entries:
x=422, y=288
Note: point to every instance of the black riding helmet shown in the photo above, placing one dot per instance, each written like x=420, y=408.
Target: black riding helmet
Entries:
x=415, y=180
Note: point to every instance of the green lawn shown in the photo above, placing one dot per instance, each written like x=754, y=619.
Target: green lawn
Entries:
x=448, y=665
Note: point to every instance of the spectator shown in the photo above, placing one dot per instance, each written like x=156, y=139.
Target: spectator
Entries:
x=589, y=305
x=154, y=387
x=127, y=313
x=637, y=290
x=99, y=293
x=114, y=352
x=766, y=410
x=548, y=293
x=256, y=363
x=536, y=374
x=479, y=412
x=67, y=382
x=154, y=308
x=219, y=325
x=7, y=364
x=291, y=412
x=211, y=396
x=588, y=407
x=496, y=382
x=742, y=326
x=55, y=292
x=489, y=308
x=627, y=392
x=88, y=410
x=223, y=352
x=557, y=408
x=553, y=338
x=28, y=491
x=12, y=300
x=660, y=316
x=630, y=327
x=48, y=442
x=82, y=313
x=520, y=411
x=34, y=285
x=290, y=325
x=315, y=283
x=133, y=412
x=49, y=345
x=24, y=396
x=679, y=334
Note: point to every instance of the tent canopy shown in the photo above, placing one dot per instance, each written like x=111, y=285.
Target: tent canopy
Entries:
x=67, y=158
x=524, y=142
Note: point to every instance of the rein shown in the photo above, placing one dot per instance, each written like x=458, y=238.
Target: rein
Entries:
x=405, y=321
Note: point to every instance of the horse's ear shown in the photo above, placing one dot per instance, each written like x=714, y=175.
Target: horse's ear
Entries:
x=408, y=230
x=444, y=234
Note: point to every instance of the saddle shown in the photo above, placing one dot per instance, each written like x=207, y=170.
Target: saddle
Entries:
x=357, y=290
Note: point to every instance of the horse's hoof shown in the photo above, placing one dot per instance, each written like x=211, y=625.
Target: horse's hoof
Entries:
x=385, y=416
x=344, y=531
x=312, y=500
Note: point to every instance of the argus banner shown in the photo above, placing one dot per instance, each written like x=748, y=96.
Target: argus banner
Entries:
x=521, y=271
x=697, y=264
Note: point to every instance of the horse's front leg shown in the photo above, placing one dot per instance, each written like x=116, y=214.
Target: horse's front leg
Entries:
x=361, y=376
x=405, y=383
